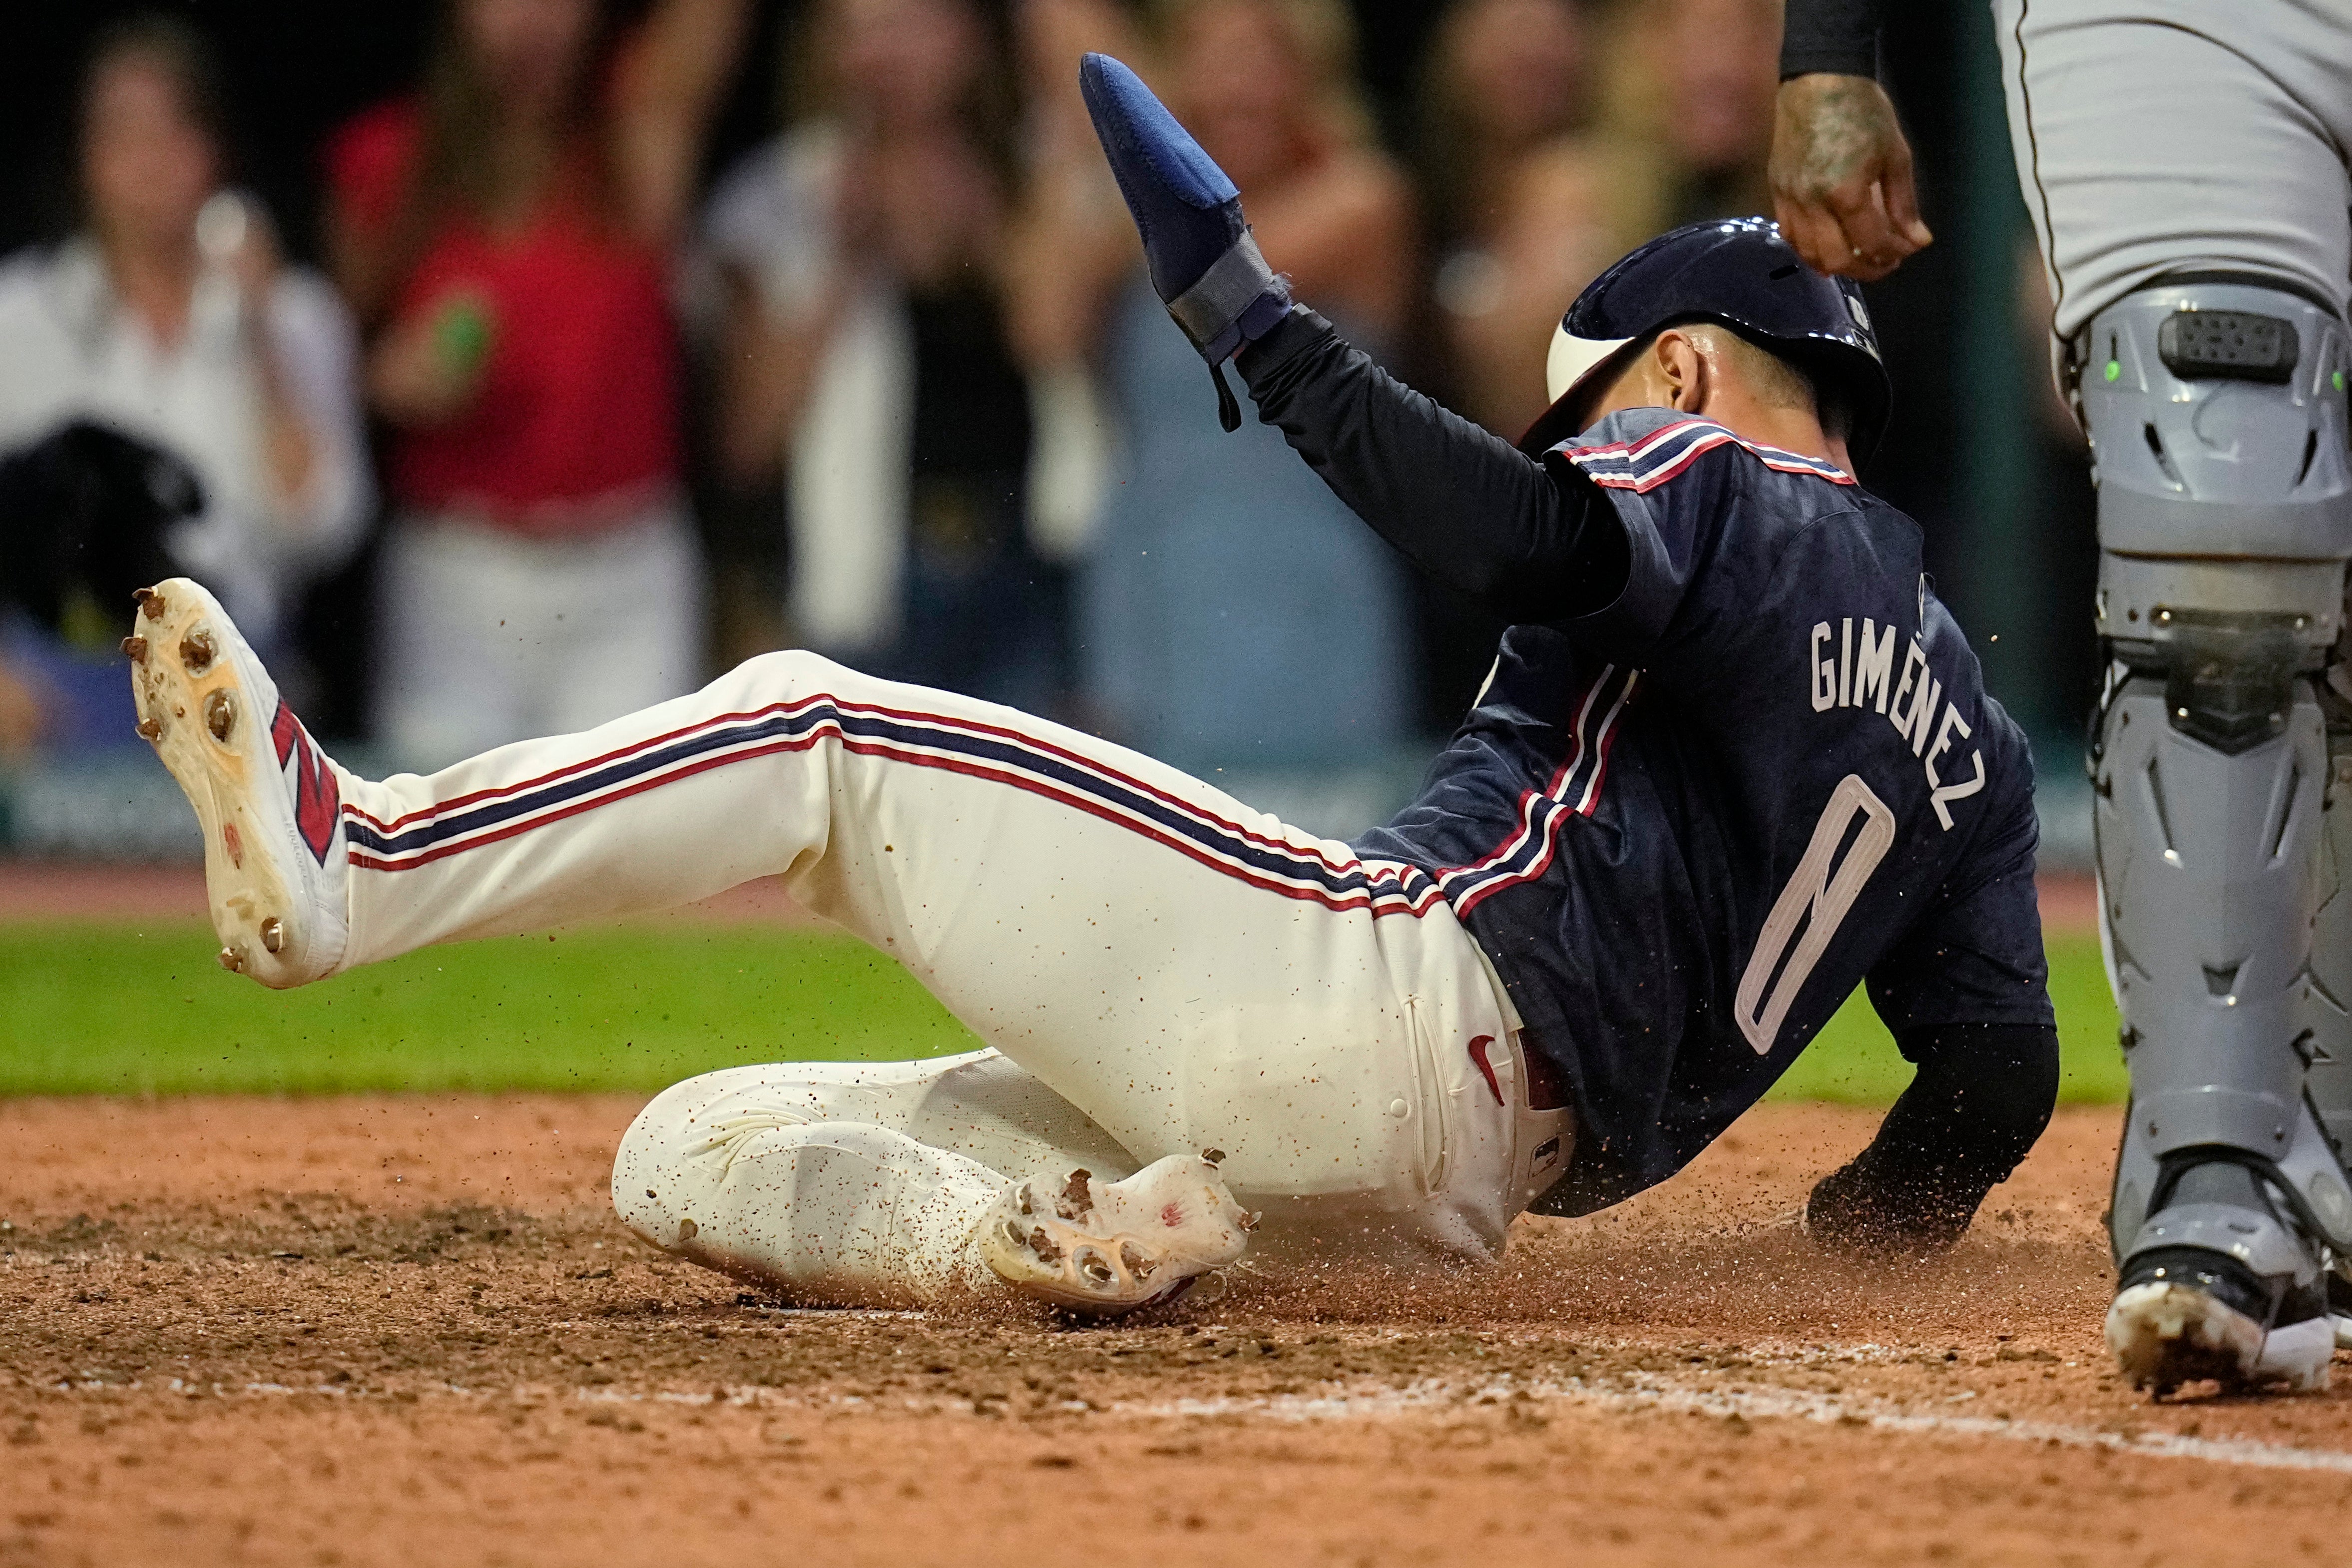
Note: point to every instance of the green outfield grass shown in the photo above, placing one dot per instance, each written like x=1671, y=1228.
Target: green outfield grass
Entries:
x=105, y=1008
x=1855, y=1059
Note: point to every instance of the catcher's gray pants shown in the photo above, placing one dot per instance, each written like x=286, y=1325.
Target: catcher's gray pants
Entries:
x=2183, y=162
x=2165, y=136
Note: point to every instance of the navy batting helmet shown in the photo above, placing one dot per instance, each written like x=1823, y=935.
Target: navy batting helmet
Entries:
x=1737, y=272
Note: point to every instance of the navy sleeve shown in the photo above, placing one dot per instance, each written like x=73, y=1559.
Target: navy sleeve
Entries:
x=1977, y=957
x=1462, y=504
x=1671, y=479
x=1982, y=1096
x=1965, y=996
x=1839, y=37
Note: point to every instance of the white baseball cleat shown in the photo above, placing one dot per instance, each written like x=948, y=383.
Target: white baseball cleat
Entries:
x=268, y=800
x=2166, y=1333
x=1115, y=1246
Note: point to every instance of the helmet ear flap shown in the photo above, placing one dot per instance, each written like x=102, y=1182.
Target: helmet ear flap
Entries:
x=1575, y=368
x=1572, y=360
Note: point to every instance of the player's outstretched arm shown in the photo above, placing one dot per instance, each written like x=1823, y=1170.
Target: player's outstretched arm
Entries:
x=1965, y=995
x=1467, y=507
x=1462, y=503
x=1982, y=1096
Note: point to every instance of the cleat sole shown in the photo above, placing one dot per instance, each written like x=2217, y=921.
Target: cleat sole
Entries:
x=1100, y=1250
x=219, y=766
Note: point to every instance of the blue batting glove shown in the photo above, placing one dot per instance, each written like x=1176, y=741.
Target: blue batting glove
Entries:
x=1204, y=266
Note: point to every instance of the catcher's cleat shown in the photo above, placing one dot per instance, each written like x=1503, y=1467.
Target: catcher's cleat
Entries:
x=2224, y=1280
x=1117, y=1245
x=268, y=800
x=2184, y=1314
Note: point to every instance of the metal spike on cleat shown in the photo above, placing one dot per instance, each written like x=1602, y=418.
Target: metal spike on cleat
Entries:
x=149, y=729
x=232, y=960
x=196, y=651
x=273, y=935
x=134, y=648
x=220, y=712
x=150, y=603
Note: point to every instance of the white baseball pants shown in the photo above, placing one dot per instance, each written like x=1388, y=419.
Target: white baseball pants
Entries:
x=1157, y=970
x=2166, y=136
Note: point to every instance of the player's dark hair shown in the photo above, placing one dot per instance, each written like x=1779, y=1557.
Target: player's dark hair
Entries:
x=1799, y=380
x=183, y=54
x=1810, y=382
x=1834, y=403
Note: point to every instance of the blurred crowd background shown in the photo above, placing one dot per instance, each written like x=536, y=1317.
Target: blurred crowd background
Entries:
x=529, y=361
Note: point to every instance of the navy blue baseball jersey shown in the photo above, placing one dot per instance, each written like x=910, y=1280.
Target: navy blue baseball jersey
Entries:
x=1686, y=825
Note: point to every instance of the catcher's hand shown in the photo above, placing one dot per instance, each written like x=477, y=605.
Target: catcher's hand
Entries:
x=1841, y=185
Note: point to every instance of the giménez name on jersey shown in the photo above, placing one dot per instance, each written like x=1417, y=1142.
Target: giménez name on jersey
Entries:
x=1847, y=674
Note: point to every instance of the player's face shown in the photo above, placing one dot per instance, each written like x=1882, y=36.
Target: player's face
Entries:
x=1720, y=62
x=1515, y=69
x=902, y=62
x=147, y=164
x=530, y=51
x=1241, y=88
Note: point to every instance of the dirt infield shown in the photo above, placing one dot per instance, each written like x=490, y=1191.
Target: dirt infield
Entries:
x=389, y=1330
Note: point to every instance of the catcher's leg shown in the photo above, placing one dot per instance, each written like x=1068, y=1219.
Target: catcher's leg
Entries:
x=2202, y=310
x=2225, y=514
x=2328, y=1052
x=2124, y=188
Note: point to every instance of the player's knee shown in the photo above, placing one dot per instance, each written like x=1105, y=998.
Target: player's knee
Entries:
x=2218, y=423
x=791, y=672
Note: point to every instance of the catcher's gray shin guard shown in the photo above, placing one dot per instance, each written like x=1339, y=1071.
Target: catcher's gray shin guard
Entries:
x=2217, y=418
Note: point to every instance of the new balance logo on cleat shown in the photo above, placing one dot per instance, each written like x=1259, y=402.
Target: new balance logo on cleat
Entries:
x=317, y=799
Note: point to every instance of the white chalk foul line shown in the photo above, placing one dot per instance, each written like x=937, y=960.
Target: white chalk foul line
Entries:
x=1432, y=1394
x=1750, y=1404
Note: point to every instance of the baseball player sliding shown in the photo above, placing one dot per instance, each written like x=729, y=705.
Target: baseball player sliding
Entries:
x=1735, y=759
x=2184, y=167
